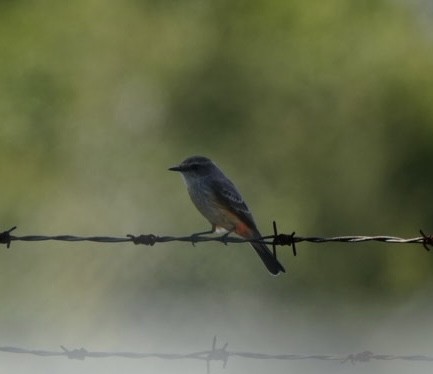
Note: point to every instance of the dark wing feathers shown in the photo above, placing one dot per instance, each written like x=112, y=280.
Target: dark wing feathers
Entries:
x=228, y=196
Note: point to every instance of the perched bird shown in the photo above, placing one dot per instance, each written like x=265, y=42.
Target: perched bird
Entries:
x=219, y=201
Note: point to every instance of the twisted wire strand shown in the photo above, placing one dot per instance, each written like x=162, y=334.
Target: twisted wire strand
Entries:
x=275, y=240
x=214, y=354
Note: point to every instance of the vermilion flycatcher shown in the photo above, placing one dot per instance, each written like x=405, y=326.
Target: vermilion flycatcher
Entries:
x=217, y=198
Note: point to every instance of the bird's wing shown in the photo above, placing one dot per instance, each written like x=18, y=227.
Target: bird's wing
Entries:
x=229, y=198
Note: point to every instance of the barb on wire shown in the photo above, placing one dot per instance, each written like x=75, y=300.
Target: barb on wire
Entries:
x=75, y=354
x=143, y=239
x=5, y=237
x=276, y=239
x=365, y=356
x=427, y=240
x=283, y=239
x=217, y=354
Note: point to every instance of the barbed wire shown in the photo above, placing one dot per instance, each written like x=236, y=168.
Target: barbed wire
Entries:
x=274, y=240
x=215, y=353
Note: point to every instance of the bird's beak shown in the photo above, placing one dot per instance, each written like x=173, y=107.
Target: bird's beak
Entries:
x=175, y=168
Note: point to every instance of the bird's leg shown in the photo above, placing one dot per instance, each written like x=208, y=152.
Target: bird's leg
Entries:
x=197, y=234
x=225, y=236
x=211, y=231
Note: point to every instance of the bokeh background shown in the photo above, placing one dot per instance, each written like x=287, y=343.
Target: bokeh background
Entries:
x=320, y=111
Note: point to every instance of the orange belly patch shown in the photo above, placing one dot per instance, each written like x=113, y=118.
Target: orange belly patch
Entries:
x=243, y=230
x=235, y=224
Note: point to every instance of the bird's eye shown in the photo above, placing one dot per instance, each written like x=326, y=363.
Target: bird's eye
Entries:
x=194, y=167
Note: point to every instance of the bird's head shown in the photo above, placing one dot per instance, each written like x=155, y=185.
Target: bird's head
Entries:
x=195, y=166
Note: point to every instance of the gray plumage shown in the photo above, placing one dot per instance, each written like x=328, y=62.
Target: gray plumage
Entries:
x=220, y=202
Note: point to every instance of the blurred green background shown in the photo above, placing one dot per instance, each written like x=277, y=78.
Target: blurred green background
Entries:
x=321, y=112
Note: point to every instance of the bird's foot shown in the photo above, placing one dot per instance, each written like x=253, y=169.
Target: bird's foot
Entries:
x=224, y=237
x=195, y=237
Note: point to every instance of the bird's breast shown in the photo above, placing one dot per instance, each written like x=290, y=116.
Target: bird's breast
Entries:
x=205, y=200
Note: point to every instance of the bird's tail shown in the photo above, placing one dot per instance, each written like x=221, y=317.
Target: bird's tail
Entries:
x=271, y=262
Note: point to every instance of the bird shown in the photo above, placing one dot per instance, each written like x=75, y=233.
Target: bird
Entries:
x=220, y=202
